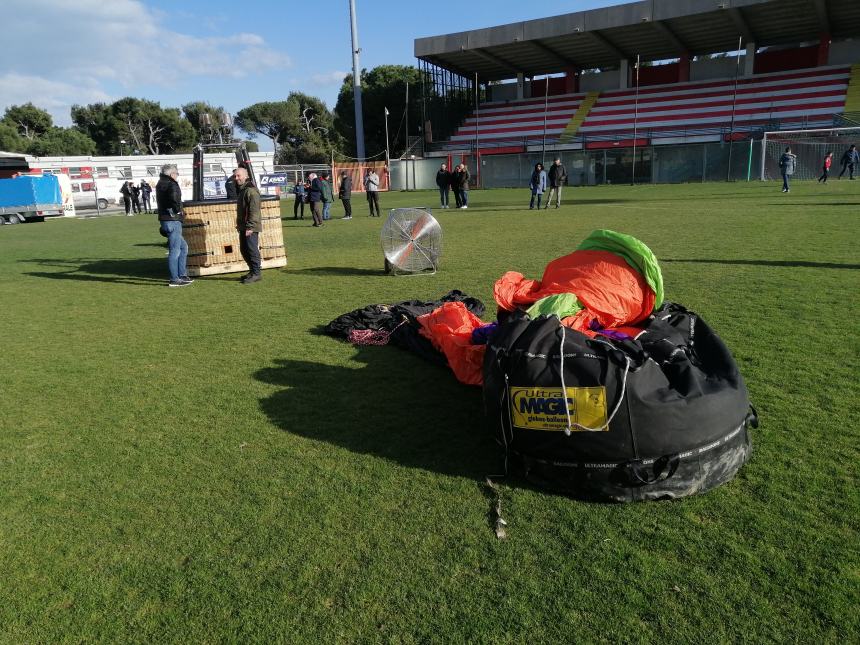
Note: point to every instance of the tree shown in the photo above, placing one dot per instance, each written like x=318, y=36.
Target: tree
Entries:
x=382, y=87
x=28, y=120
x=62, y=141
x=269, y=118
x=10, y=140
x=301, y=128
x=145, y=125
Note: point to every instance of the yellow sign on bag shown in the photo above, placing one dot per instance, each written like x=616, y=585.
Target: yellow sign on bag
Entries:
x=543, y=408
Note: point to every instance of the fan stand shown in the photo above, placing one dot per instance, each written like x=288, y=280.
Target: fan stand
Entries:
x=392, y=269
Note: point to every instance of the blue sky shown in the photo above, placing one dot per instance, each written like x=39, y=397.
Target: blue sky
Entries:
x=227, y=53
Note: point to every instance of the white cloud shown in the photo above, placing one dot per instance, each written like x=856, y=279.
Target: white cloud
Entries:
x=327, y=79
x=72, y=50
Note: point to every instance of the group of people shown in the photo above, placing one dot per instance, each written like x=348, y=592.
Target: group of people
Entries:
x=541, y=181
x=132, y=196
x=850, y=162
x=249, y=224
x=454, y=181
x=317, y=191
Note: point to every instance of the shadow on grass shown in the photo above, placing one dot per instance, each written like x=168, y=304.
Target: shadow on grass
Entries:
x=767, y=263
x=342, y=271
x=390, y=405
x=118, y=271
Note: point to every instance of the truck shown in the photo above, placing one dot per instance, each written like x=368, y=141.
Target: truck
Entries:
x=30, y=198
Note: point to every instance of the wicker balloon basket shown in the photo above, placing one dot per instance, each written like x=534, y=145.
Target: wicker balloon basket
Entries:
x=213, y=242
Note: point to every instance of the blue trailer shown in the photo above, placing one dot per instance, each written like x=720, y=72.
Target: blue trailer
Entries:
x=30, y=198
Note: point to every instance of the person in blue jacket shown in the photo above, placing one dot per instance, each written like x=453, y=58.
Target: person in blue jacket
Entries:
x=299, y=205
x=537, y=183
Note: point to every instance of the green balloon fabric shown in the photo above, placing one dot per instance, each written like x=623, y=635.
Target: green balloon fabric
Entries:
x=633, y=251
x=561, y=305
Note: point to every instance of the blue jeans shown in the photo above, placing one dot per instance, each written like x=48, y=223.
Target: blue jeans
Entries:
x=464, y=197
x=177, y=249
x=785, y=185
x=443, y=196
x=326, y=209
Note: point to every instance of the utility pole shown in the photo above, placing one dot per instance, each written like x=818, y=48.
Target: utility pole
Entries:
x=356, y=84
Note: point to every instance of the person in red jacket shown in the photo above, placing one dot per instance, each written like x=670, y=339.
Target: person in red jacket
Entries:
x=828, y=161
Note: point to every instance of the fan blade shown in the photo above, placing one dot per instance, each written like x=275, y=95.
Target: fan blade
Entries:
x=399, y=257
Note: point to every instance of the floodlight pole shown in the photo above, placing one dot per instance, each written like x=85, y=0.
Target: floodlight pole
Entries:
x=635, y=121
x=356, y=84
x=734, y=104
x=387, y=150
x=545, y=108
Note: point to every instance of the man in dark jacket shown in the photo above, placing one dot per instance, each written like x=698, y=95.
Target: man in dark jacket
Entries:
x=135, y=197
x=145, y=192
x=249, y=224
x=126, y=196
x=315, y=198
x=849, y=161
x=345, y=193
x=443, y=180
x=168, y=199
x=455, y=185
x=556, y=177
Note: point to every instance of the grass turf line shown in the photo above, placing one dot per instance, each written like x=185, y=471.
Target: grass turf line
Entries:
x=199, y=465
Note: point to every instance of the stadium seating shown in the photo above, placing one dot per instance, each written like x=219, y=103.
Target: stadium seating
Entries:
x=800, y=98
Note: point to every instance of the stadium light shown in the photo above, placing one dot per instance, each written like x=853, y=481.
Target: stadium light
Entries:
x=356, y=84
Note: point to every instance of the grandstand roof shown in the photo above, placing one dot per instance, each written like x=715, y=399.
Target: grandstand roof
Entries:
x=654, y=29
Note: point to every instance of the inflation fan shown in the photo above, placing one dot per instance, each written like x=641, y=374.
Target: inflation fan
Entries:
x=411, y=241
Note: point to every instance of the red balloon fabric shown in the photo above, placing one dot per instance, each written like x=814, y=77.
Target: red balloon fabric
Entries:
x=450, y=328
x=610, y=290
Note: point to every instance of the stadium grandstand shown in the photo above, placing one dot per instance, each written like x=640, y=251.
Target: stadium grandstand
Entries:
x=650, y=91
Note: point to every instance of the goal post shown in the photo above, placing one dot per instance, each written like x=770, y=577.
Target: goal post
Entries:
x=810, y=146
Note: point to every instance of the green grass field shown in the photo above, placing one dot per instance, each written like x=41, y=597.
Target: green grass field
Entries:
x=200, y=465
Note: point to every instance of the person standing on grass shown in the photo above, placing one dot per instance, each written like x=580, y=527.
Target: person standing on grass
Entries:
x=327, y=194
x=125, y=191
x=455, y=185
x=556, y=176
x=828, y=161
x=145, y=192
x=135, y=197
x=537, y=185
x=168, y=201
x=299, y=204
x=787, y=164
x=315, y=198
x=443, y=180
x=345, y=193
x=463, y=185
x=249, y=224
x=371, y=187
x=850, y=160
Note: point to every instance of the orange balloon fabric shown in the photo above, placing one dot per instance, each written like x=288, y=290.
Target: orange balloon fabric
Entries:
x=450, y=328
x=609, y=289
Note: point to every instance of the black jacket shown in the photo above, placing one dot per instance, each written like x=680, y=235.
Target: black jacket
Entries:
x=168, y=197
x=315, y=191
x=345, y=191
x=556, y=175
x=443, y=179
x=230, y=187
x=454, y=178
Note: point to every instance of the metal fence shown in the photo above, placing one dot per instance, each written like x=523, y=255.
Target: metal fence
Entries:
x=729, y=161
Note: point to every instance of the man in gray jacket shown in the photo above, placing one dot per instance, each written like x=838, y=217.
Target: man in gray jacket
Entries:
x=556, y=178
x=787, y=163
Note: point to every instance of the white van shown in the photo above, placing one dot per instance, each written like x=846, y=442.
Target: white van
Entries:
x=84, y=194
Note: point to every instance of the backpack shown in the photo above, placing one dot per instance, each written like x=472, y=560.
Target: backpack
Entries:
x=613, y=418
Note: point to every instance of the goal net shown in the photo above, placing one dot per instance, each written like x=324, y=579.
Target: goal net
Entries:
x=810, y=146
